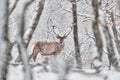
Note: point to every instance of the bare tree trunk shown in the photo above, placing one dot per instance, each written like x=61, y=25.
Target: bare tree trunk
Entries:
x=119, y=5
x=27, y=35
x=4, y=41
x=20, y=41
x=113, y=59
x=75, y=34
x=117, y=41
x=109, y=44
x=34, y=22
x=14, y=6
x=97, y=33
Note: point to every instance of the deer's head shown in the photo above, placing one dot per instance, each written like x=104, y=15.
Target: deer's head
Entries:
x=61, y=38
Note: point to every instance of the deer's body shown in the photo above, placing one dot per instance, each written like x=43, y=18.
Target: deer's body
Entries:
x=48, y=48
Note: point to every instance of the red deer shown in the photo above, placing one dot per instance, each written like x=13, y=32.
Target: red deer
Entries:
x=48, y=48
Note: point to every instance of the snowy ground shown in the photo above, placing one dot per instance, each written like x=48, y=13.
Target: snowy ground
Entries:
x=15, y=73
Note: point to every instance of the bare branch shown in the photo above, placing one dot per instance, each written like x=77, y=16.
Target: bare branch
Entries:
x=34, y=22
x=113, y=59
x=14, y=6
x=72, y=1
x=89, y=36
x=117, y=41
x=20, y=42
x=86, y=17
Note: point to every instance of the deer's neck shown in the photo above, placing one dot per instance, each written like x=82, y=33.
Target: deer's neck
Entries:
x=62, y=44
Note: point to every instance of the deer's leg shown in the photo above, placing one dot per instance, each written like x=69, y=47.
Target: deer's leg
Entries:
x=30, y=56
x=34, y=57
x=36, y=50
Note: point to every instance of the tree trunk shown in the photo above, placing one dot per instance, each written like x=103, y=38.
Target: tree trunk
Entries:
x=34, y=22
x=4, y=41
x=27, y=35
x=21, y=46
x=97, y=34
x=75, y=34
x=117, y=41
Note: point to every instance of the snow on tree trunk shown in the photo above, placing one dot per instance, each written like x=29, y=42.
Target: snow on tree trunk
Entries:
x=113, y=58
x=117, y=41
x=99, y=43
x=20, y=41
x=14, y=6
x=75, y=34
x=34, y=22
x=4, y=41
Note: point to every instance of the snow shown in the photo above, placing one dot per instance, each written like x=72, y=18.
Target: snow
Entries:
x=16, y=73
x=60, y=12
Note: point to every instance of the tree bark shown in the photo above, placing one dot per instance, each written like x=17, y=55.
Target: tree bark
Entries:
x=75, y=34
x=21, y=46
x=14, y=6
x=117, y=41
x=4, y=41
x=114, y=60
x=34, y=22
x=97, y=34
x=27, y=35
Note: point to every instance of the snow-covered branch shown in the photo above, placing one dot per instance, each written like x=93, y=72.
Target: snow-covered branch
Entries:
x=85, y=16
x=117, y=41
x=99, y=43
x=20, y=41
x=14, y=6
x=34, y=22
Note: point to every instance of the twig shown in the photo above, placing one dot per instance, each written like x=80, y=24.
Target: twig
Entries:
x=82, y=15
x=14, y=6
x=89, y=36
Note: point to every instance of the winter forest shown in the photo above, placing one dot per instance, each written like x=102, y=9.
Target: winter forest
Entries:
x=60, y=40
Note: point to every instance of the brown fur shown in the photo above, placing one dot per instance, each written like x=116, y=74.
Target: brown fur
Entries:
x=47, y=48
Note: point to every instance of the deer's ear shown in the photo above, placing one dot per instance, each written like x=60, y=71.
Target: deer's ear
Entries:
x=65, y=36
x=58, y=36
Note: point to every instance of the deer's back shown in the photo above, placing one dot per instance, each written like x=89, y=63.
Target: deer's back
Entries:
x=49, y=48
